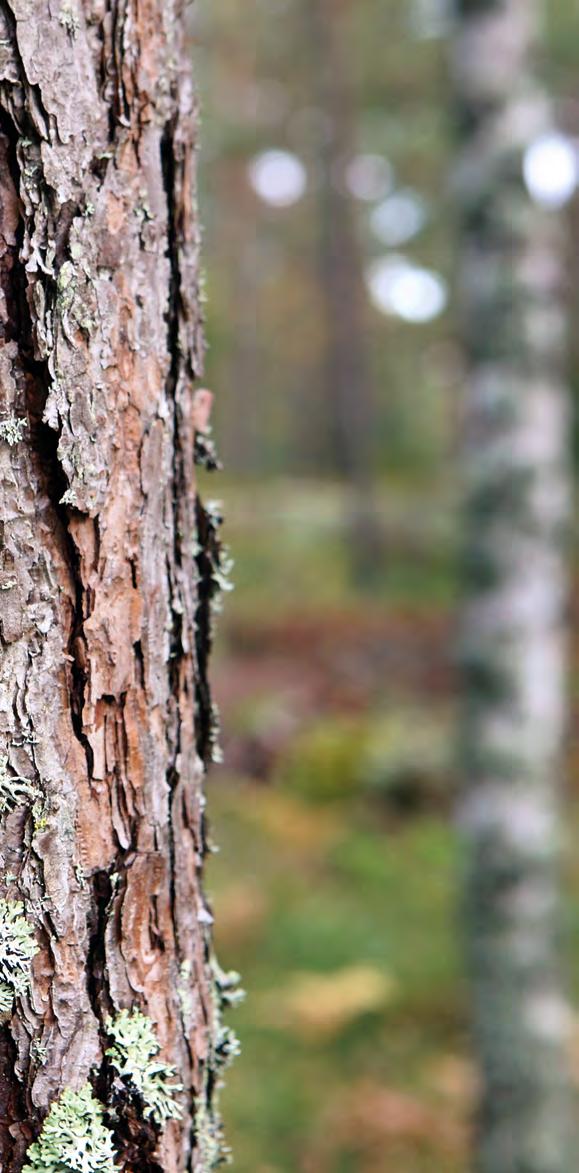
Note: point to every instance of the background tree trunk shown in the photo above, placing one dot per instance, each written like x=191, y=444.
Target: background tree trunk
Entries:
x=517, y=511
x=107, y=573
x=346, y=376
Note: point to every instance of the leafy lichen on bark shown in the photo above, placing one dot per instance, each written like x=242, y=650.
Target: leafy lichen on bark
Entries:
x=74, y=1137
x=134, y=1056
x=17, y=949
x=104, y=701
x=227, y=993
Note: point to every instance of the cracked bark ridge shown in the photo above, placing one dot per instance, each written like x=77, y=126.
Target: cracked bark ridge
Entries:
x=101, y=696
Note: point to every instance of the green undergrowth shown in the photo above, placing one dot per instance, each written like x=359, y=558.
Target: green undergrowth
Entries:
x=354, y=1033
x=400, y=759
x=336, y=888
x=345, y=934
x=291, y=544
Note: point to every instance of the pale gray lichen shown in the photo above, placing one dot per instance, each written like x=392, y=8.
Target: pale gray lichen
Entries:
x=17, y=948
x=6, y=1000
x=12, y=429
x=185, y=995
x=15, y=790
x=68, y=18
x=215, y=750
x=213, y=1150
x=38, y=1052
x=28, y=737
x=69, y=497
x=227, y=1047
x=134, y=1057
x=202, y=286
x=74, y=1138
x=227, y=985
x=40, y=812
x=71, y=310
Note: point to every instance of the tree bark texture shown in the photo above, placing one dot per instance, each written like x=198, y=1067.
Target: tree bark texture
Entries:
x=517, y=430
x=108, y=568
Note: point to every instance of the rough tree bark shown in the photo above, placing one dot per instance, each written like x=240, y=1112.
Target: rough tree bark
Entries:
x=513, y=635
x=108, y=568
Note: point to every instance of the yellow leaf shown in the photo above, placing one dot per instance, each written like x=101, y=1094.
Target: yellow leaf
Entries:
x=321, y=1005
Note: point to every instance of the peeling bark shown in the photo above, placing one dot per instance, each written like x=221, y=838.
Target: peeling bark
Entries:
x=108, y=565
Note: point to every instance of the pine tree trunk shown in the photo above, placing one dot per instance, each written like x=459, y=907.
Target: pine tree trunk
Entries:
x=513, y=636
x=108, y=565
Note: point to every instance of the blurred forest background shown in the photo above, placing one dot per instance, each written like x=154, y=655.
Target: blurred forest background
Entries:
x=329, y=260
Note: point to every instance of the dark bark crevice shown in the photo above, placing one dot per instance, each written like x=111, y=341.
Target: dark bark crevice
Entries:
x=168, y=165
x=96, y=969
x=35, y=102
x=207, y=560
x=16, y=1121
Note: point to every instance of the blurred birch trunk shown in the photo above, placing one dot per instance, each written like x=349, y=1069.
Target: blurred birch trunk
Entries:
x=517, y=510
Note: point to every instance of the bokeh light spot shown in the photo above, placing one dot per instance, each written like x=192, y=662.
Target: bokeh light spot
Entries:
x=405, y=290
x=551, y=170
x=278, y=177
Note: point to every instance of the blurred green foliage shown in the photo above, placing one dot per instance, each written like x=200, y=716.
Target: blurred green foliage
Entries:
x=343, y=896
x=337, y=861
x=335, y=887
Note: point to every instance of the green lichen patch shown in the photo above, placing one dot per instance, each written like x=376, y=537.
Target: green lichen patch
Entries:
x=205, y=452
x=17, y=948
x=213, y=1152
x=227, y=992
x=184, y=990
x=221, y=562
x=12, y=429
x=227, y=986
x=15, y=790
x=227, y=1047
x=74, y=1138
x=6, y=999
x=68, y=18
x=38, y=1052
x=134, y=1057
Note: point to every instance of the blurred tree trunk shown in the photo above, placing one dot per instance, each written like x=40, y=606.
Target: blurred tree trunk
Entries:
x=107, y=571
x=346, y=375
x=513, y=631
x=230, y=208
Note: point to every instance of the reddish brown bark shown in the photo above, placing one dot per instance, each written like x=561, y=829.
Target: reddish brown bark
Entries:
x=106, y=591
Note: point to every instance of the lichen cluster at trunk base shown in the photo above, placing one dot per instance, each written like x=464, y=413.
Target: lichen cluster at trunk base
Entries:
x=74, y=1137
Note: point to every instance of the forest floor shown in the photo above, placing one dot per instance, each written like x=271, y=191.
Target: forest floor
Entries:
x=336, y=887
